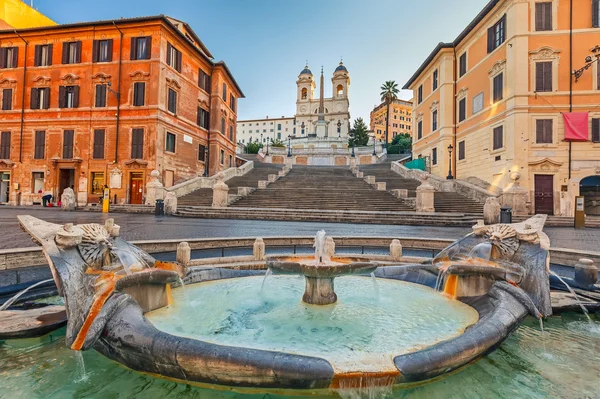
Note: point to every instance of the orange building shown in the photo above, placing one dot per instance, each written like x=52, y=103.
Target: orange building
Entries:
x=105, y=103
x=400, y=119
x=497, y=95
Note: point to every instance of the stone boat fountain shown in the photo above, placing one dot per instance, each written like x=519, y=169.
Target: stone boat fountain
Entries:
x=119, y=302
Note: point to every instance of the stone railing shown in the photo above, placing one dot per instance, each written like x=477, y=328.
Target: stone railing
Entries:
x=440, y=184
x=199, y=182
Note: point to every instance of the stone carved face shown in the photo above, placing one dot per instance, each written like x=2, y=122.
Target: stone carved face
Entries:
x=96, y=246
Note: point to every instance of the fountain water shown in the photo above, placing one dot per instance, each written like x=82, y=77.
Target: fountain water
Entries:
x=21, y=293
x=81, y=373
x=375, y=284
x=575, y=296
x=262, y=286
x=319, y=246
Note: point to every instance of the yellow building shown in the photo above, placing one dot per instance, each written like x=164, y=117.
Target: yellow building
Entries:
x=17, y=14
x=497, y=95
x=400, y=119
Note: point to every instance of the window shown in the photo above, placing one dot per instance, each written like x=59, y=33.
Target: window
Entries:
x=224, y=92
x=543, y=16
x=461, y=150
x=40, y=98
x=137, y=143
x=222, y=157
x=204, y=81
x=102, y=50
x=232, y=102
x=498, y=87
x=68, y=136
x=223, y=126
x=231, y=132
x=496, y=35
x=100, y=95
x=230, y=161
x=420, y=95
x=139, y=94
x=71, y=53
x=7, y=95
x=9, y=57
x=596, y=13
x=141, y=48
x=434, y=120
x=498, y=133
x=97, y=186
x=419, y=130
x=543, y=76
x=203, y=118
x=38, y=182
x=173, y=57
x=201, y=153
x=435, y=80
x=304, y=93
x=462, y=64
x=172, y=101
x=68, y=96
x=434, y=156
x=543, y=131
x=39, y=151
x=170, y=145
x=596, y=130
x=462, y=110
x=5, y=145
x=99, y=144
x=477, y=103
x=42, y=55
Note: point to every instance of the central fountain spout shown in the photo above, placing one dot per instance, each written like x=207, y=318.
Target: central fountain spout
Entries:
x=319, y=272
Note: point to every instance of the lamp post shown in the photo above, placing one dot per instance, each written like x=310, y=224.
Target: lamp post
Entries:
x=289, y=146
x=450, y=177
x=206, y=160
x=589, y=61
x=267, y=147
x=339, y=125
x=374, y=141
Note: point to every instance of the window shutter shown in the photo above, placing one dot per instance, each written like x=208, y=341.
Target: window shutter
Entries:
x=148, y=47
x=169, y=50
x=3, y=57
x=596, y=130
x=200, y=77
x=68, y=144
x=595, y=13
x=62, y=96
x=98, y=144
x=142, y=93
x=98, y=96
x=137, y=143
x=5, y=145
x=15, y=57
x=110, y=50
x=95, y=51
x=78, y=55
x=539, y=16
x=75, y=96
x=49, y=54
x=46, y=104
x=539, y=76
x=547, y=16
x=548, y=130
x=198, y=116
x=40, y=144
x=133, y=52
x=490, y=40
x=178, y=67
x=37, y=55
x=65, y=53
x=34, y=98
x=547, y=76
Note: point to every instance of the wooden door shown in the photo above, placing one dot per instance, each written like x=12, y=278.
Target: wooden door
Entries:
x=66, y=179
x=137, y=188
x=544, y=194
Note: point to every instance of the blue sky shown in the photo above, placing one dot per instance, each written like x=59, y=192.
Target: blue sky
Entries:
x=267, y=42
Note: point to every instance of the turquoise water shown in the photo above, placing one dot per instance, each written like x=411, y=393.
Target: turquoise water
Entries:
x=363, y=331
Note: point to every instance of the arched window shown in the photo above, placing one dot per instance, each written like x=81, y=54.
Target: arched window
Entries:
x=340, y=90
x=304, y=93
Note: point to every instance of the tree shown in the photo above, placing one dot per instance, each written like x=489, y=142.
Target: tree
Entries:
x=277, y=143
x=402, y=143
x=253, y=148
x=359, y=135
x=389, y=93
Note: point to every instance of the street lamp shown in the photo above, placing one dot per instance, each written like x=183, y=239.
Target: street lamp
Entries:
x=450, y=177
x=289, y=145
x=589, y=61
x=267, y=147
x=339, y=125
x=206, y=160
x=374, y=141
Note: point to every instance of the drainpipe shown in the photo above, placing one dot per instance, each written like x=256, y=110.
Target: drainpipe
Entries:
x=454, y=111
x=118, y=92
x=23, y=96
x=207, y=164
x=570, y=76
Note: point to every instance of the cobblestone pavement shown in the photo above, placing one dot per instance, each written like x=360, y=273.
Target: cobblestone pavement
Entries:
x=147, y=227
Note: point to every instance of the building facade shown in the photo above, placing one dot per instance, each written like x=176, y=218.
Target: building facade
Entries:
x=267, y=130
x=16, y=14
x=498, y=95
x=105, y=103
x=400, y=121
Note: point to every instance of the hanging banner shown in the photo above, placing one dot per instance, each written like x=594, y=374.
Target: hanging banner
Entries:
x=576, y=126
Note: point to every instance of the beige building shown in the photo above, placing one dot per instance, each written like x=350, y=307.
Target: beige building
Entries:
x=400, y=119
x=271, y=129
x=497, y=95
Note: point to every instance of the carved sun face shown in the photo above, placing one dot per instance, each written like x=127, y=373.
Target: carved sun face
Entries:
x=96, y=246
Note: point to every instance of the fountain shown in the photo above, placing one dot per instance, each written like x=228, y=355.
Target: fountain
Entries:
x=119, y=302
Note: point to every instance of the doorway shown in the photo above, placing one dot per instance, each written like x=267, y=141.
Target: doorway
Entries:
x=4, y=187
x=66, y=178
x=136, y=182
x=544, y=194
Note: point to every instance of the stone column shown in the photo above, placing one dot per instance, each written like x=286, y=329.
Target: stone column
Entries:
x=184, y=253
x=220, y=193
x=396, y=249
x=491, y=211
x=425, y=196
x=258, y=249
x=154, y=189
x=586, y=273
x=515, y=196
x=170, y=204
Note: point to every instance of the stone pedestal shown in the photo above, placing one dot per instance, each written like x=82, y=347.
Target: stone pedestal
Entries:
x=491, y=211
x=272, y=178
x=154, y=189
x=400, y=193
x=586, y=273
x=220, y=193
x=370, y=179
x=515, y=196
x=396, y=250
x=68, y=200
x=170, y=204
x=425, y=197
x=262, y=184
x=360, y=175
x=381, y=186
x=258, y=249
x=319, y=291
x=184, y=253
x=282, y=173
x=352, y=162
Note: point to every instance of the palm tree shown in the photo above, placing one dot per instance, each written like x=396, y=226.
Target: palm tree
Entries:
x=389, y=93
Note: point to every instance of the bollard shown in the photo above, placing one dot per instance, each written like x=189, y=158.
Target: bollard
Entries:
x=159, y=208
x=506, y=215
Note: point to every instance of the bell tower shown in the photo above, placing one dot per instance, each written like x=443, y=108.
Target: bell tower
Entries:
x=306, y=86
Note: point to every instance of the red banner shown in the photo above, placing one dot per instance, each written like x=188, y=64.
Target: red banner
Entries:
x=576, y=126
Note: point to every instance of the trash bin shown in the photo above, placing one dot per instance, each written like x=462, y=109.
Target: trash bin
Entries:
x=506, y=214
x=159, y=209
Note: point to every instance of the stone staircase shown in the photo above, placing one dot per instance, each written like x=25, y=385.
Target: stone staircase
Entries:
x=204, y=196
x=322, y=188
x=447, y=202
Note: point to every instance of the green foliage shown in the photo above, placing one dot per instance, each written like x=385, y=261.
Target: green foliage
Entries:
x=403, y=141
x=277, y=143
x=253, y=148
x=389, y=91
x=359, y=135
